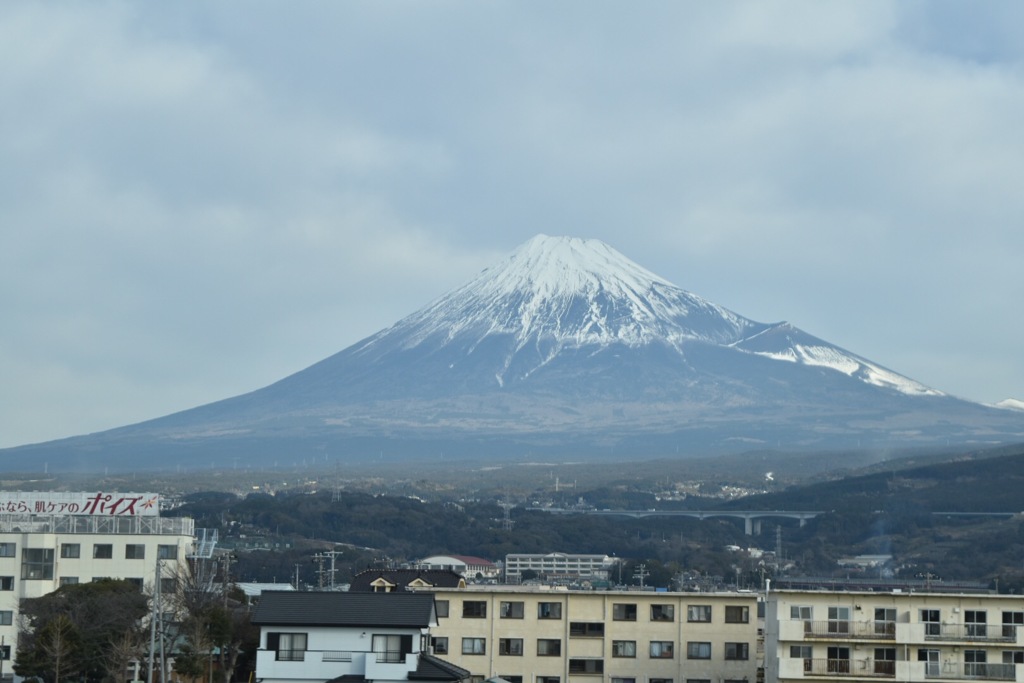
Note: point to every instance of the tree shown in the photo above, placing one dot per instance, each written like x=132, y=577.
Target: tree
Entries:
x=78, y=630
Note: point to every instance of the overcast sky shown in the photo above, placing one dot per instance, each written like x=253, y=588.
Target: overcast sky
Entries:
x=198, y=199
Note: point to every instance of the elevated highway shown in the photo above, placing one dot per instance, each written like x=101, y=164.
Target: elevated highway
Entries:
x=751, y=518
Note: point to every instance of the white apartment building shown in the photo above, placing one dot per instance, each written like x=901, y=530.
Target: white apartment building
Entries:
x=900, y=636
x=48, y=540
x=559, y=566
x=540, y=635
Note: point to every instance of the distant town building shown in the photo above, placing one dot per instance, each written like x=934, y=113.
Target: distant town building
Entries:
x=559, y=566
x=471, y=568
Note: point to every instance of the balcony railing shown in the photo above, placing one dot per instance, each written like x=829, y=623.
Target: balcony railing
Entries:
x=972, y=671
x=847, y=667
x=833, y=628
x=1000, y=633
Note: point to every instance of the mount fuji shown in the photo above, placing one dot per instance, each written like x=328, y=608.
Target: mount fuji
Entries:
x=565, y=348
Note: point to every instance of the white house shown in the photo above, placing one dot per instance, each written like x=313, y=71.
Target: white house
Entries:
x=327, y=636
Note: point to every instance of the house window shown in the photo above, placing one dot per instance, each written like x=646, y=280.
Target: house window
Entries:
x=37, y=564
x=8, y=549
x=931, y=621
x=512, y=647
x=290, y=647
x=549, y=647
x=6, y=617
x=696, y=650
x=586, y=629
x=167, y=552
x=663, y=612
x=662, y=649
x=70, y=551
x=737, y=651
x=6, y=583
x=737, y=615
x=623, y=648
x=441, y=606
x=474, y=609
x=511, y=610
x=700, y=613
x=624, y=611
x=474, y=646
x=68, y=580
x=549, y=610
x=885, y=621
x=804, y=652
x=135, y=551
x=391, y=648
x=439, y=645
x=102, y=551
x=586, y=666
x=885, y=661
x=976, y=621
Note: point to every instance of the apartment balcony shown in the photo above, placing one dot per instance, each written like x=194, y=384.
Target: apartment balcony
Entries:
x=854, y=668
x=838, y=630
x=976, y=633
x=328, y=664
x=969, y=671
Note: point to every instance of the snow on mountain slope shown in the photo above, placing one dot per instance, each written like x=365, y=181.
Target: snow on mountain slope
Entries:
x=555, y=294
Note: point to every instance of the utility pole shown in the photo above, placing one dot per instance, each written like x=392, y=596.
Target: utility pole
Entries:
x=641, y=573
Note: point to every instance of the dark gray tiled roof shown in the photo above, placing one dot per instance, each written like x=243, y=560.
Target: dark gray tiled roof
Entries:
x=289, y=608
x=430, y=668
x=401, y=578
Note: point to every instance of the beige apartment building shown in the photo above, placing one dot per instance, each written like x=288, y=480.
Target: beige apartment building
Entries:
x=537, y=635
x=902, y=636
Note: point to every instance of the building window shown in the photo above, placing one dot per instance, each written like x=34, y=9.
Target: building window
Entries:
x=512, y=647
x=698, y=680
x=662, y=649
x=1011, y=622
x=659, y=680
x=439, y=645
x=838, y=619
x=838, y=660
x=623, y=680
x=735, y=651
x=586, y=666
x=6, y=583
x=511, y=610
x=549, y=647
x=885, y=621
x=102, y=551
x=549, y=610
x=8, y=549
x=474, y=609
x=511, y=679
x=931, y=662
x=290, y=647
x=976, y=663
x=663, y=612
x=696, y=650
x=135, y=551
x=623, y=648
x=441, y=606
x=700, y=613
x=167, y=552
x=885, y=661
x=168, y=585
x=70, y=551
x=735, y=614
x=624, y=611
x=976, y=621
x=6, y=617
x=474, y=646
x=135, y=582
x=548, y=679
x=37, y=564
x=586, y=629
x=1013, y=657
x=931, y=621
x=68, y=580
x=804, y=652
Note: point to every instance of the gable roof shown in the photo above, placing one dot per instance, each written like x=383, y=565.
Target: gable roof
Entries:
x=402, y=610
x=431, y=668
x=400, y=579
